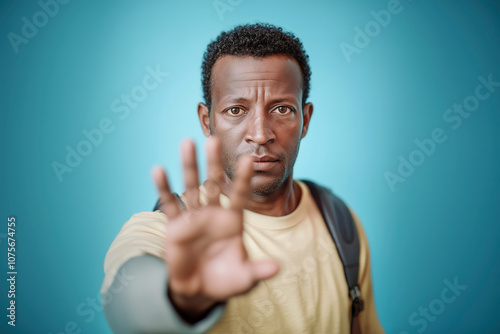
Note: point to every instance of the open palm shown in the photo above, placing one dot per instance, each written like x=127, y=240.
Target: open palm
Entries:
x=205, y=254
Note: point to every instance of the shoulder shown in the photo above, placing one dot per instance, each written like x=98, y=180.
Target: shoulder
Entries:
x=143, y=233
x=364, y=248
x=363, y=241
x=145, y=221
x=359, y=226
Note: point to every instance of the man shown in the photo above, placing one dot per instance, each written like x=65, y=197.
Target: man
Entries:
x=198, y=268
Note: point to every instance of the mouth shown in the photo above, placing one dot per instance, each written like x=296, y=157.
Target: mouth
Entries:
x=264, y=163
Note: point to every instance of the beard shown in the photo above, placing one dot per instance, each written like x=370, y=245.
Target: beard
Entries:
x=267, y=187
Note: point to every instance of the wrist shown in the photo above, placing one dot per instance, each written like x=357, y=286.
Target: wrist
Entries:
x=191, y=308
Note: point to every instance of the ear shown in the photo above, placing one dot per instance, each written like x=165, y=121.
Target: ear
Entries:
x=306, y=114
x=204, y=119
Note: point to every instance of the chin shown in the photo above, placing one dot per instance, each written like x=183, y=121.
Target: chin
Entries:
x=263, y=184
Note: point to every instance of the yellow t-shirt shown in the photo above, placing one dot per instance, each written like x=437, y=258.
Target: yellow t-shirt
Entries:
x=308, y=295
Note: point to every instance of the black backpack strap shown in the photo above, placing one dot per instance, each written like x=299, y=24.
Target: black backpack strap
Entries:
x=343, y=230
x=179, y=200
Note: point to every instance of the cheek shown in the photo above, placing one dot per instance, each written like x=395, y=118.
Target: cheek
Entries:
x=228, y=140
x=231, y=136
x=229, y=148
x=229, y=156
x=289, y=134
x=225, y=148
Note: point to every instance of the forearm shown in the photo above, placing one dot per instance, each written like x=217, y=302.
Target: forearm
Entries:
x=140, y=303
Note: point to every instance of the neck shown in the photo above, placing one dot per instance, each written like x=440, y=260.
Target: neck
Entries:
x=280, y=202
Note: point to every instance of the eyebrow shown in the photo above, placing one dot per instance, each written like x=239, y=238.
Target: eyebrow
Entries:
x=277, y=100
x=237, y=100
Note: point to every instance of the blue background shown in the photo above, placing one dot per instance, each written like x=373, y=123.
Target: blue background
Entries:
x=442, y=223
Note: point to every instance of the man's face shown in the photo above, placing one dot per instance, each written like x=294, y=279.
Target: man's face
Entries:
x=257, y=111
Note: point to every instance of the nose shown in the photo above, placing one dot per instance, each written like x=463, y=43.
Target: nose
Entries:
x=259, y=129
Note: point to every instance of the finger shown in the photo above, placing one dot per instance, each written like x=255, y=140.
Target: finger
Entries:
x=241, y=184
x=169, y=205
x=215, y=171
x=190, y=230
x=264, y=269
x=191, y=179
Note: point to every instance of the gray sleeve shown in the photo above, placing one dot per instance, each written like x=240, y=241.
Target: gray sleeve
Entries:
x=137, y=302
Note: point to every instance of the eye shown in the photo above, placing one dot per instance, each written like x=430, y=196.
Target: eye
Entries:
x=284, y=110
x=235, y=111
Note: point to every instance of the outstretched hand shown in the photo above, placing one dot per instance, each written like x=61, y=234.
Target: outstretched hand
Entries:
x=205, y=254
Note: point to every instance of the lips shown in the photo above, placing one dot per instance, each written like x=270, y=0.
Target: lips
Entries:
x=265, y=158
x=264, y=163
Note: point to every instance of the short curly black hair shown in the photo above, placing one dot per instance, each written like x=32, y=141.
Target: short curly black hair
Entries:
x=256, y=40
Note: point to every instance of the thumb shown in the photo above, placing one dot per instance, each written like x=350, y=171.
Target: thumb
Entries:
x=264, y=269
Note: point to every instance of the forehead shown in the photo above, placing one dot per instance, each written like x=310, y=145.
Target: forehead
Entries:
x=233, y=75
